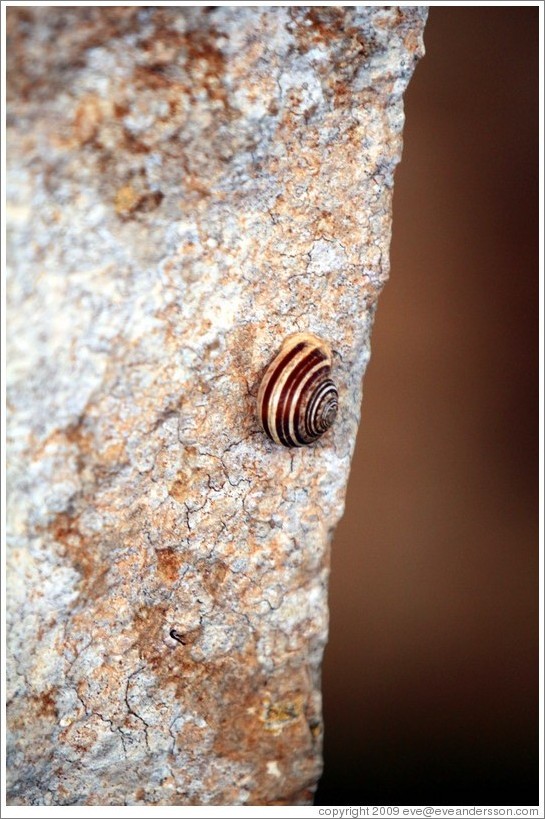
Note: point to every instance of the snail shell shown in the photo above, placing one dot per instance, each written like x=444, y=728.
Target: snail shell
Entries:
x=297, y=400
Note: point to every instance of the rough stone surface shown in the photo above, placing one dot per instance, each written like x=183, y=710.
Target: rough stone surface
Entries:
x=186, y=187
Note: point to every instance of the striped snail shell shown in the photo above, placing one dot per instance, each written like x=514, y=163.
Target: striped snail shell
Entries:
x=297, y=400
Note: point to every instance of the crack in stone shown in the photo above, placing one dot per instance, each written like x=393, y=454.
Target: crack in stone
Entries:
x=131, y=710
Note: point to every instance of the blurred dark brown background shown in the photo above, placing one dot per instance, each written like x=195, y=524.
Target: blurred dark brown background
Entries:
x=431, y=675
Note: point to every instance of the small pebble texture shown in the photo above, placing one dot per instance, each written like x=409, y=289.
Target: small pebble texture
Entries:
x=185, y=188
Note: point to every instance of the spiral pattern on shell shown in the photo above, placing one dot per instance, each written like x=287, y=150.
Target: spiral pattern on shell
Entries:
x=297, y=400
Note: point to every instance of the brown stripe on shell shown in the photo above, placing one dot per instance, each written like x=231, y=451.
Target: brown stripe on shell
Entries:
x=268, y=384
x=288, y=408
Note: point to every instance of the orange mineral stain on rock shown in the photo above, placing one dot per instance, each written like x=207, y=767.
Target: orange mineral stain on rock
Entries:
x=180, y=487
x=126, y=200
x=168, y=564
x=47, y=704
x=278, y=714
x=114, y=453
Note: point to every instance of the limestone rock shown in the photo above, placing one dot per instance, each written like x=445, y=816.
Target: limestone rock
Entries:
x=186, y=187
